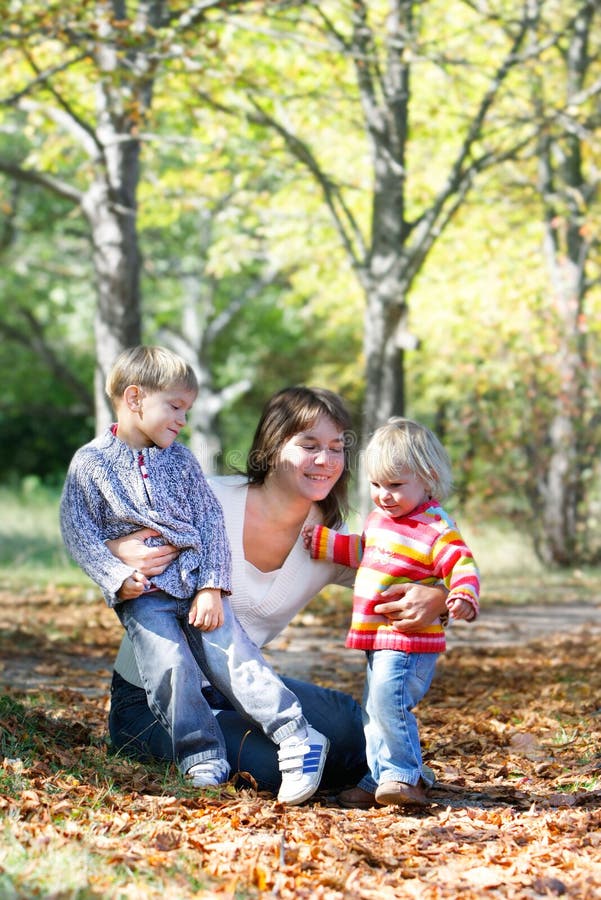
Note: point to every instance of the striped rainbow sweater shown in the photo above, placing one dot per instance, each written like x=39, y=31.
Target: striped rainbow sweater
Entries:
x=424, y=547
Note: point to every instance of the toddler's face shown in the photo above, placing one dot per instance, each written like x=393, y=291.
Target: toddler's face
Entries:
x=399, y=497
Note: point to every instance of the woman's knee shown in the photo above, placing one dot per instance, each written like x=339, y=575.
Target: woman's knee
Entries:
x=133, y=728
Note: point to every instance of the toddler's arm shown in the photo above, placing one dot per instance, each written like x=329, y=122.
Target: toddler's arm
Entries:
x=83, y=536
x=206, y=610
x=343, y=549
x=214, y=560
x=455, y=563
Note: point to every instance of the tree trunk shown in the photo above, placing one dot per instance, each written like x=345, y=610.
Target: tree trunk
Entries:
x=386, y=337
x=385, y=103
x=117, y=269
x=560, y=486
x=397, y=246
x=566, y=196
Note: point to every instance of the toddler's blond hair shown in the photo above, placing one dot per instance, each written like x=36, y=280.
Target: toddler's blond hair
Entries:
x=405, y=444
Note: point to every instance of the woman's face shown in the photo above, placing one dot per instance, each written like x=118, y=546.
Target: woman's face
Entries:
x=311, y=462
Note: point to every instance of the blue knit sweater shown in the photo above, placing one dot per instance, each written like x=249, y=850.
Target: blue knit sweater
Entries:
x=105, y=497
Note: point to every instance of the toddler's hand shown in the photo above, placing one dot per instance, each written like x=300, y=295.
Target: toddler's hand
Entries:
x=307, y=535
x=461, y=609
x=206, y=610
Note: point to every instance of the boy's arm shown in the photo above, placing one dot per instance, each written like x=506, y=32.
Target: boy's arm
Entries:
x=454, y=562
x=85, y=542
x=330, y=545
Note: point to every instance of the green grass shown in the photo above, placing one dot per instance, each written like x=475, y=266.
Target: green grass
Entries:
x=69, y=871
x=50, y=759
x=31, y=549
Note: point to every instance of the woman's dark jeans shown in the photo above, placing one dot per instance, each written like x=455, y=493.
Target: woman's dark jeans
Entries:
x=135, y=732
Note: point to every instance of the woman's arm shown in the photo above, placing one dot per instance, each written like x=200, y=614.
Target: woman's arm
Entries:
x=132, y=551
x=411, y=607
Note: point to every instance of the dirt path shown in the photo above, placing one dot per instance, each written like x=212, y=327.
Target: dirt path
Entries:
x=308, y=649
x=51, y=644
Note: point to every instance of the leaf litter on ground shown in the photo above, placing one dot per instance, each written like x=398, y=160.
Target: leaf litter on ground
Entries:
x=512, y=733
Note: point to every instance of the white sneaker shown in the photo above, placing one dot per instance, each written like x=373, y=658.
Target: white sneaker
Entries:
x=301, y=762
x=209, y=773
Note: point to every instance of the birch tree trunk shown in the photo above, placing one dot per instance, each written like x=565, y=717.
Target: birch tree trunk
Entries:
x=206, y=313
x=567, y=186
x=398, y=245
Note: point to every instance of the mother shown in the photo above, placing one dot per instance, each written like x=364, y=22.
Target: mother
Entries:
x=297, y=473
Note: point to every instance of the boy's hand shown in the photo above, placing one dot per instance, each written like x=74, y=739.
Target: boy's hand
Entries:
x=206, y=611
x=461, y=609
x=307, y=535
x=133, y=586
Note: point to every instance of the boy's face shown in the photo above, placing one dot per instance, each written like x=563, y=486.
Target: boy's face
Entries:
x=399, y=497
x=158, y=417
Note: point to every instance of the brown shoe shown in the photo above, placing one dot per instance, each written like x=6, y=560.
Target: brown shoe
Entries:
x=356, y=798
x=397, y=793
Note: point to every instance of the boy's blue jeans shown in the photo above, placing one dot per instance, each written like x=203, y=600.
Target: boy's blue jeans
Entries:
x=173, y=656
x=395, y=682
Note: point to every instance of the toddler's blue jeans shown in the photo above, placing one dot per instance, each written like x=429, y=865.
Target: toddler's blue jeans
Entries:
x=395, y=682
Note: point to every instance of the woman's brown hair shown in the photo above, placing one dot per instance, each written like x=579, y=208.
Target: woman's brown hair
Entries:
x=288, y=412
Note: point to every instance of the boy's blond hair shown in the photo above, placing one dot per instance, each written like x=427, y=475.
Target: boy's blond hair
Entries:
x=405, y=444
x=151, y=368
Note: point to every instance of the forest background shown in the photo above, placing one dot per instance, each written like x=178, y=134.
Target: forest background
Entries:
x=397, y=200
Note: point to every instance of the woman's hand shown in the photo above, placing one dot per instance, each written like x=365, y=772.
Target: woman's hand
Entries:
x=412, y=607
x=132, y=551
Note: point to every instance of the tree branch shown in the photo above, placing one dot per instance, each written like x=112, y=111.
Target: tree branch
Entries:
x=221, y=321
x=64, y=105
x=196, y=12
x=344, y=220
x=42, y=78
x=42, y=179
x=463, y=170
x=34, y=339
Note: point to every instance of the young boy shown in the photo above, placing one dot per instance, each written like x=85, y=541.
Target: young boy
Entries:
x=407, y=537
x=181, y=626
